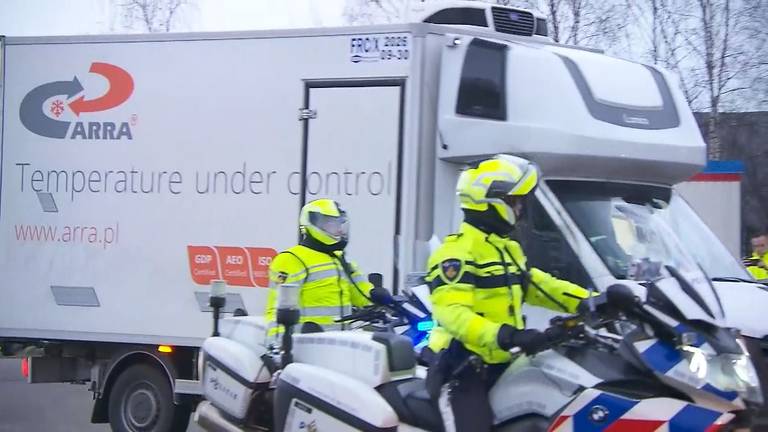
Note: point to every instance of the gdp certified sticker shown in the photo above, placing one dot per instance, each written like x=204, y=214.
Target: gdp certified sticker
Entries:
x=376, y=48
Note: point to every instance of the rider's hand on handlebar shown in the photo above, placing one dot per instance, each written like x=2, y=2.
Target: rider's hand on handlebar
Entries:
x=565, y=328
x=530, y=341
x=557, y=335
x=366, y=313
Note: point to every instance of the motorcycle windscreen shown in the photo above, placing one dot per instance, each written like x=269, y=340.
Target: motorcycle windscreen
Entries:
x=628, y=226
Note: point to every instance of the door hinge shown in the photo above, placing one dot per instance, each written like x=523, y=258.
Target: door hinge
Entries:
x=307, y=113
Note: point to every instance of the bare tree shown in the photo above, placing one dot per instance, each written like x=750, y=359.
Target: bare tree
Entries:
x=656, y=29
x=593, y=23
x=661, y=42
x=152, y=16
x=360, y=12
x=555, y=10
x=757, y=36
x=706, y=43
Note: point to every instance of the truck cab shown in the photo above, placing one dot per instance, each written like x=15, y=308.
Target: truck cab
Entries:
x=613, y=138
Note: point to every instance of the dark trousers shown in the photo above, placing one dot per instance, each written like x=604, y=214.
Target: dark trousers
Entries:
x=464, y=402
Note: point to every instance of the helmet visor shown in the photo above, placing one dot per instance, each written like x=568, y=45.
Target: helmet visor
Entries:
x=516, y=204
x=336, y=227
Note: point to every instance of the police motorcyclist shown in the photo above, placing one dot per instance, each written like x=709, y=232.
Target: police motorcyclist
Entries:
x=480, y=279
x=329, y=284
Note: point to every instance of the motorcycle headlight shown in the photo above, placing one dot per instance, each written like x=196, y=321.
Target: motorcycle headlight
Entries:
x=727, y=372
x=698, y=361
x=739, y=374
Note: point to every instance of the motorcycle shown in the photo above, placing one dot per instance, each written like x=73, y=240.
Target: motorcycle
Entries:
x=682, y=371
x=409, y=314
x=239, y=363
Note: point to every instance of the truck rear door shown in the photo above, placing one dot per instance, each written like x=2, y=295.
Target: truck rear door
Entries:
x=352, y=151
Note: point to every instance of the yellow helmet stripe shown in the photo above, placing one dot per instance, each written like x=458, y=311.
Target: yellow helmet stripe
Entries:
x=529, y=181
x=324, y=206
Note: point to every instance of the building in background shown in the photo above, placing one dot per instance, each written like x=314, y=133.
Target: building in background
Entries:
x=715, y=194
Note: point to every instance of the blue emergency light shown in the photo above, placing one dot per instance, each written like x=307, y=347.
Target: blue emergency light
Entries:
x=425, y=325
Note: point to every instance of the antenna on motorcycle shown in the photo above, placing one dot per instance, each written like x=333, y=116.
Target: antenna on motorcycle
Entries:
x=217, y=301
x=288, y=315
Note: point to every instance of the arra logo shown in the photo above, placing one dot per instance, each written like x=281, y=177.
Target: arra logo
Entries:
x=33, y=112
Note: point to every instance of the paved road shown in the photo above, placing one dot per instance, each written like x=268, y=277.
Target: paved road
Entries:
x=45, y=407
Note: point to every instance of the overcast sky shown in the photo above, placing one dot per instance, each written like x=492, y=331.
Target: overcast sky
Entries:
x=58, y=17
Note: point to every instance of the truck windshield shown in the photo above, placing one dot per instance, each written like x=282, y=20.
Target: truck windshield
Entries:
x=638, y=229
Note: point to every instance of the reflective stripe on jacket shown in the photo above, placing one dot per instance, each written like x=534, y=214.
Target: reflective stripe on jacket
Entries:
x=477, y=285
x=326, y=293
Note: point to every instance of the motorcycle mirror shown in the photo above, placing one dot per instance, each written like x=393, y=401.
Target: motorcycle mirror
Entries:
x=381, y=296
x=218, y=288
x=621, y=296
x=376, y=279
x=217, y=300
x=288, y=296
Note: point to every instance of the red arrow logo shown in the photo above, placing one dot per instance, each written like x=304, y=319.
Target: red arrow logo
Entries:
x=120, y=89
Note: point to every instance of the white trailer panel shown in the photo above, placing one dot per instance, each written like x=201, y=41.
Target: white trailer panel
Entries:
x=136, y=170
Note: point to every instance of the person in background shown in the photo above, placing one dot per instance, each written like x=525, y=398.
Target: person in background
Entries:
x=757, y=263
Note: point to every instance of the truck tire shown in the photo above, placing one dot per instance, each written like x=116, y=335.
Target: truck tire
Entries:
x=141, y=400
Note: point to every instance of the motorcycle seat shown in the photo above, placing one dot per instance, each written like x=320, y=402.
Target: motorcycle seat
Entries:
x=412, y=404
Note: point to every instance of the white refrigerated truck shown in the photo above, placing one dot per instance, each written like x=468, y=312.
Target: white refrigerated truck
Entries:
x=137, y=169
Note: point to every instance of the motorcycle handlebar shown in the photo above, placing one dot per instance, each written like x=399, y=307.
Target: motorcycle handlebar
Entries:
x=370, y=314
x=565, y=329
x=355, y=316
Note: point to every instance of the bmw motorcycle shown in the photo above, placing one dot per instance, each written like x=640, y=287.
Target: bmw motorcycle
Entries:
x=676, y=367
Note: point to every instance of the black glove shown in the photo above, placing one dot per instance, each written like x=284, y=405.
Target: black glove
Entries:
x=556, y=335
x=530, y=341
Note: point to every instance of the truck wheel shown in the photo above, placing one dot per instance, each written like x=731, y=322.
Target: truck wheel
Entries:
x=141, y=400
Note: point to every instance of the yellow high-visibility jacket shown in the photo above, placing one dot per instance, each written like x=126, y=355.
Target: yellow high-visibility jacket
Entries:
x=326, y=292
x=477, y=285
x=758, y=272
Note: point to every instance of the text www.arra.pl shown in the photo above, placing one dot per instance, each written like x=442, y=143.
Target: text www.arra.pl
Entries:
x=101, y=236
